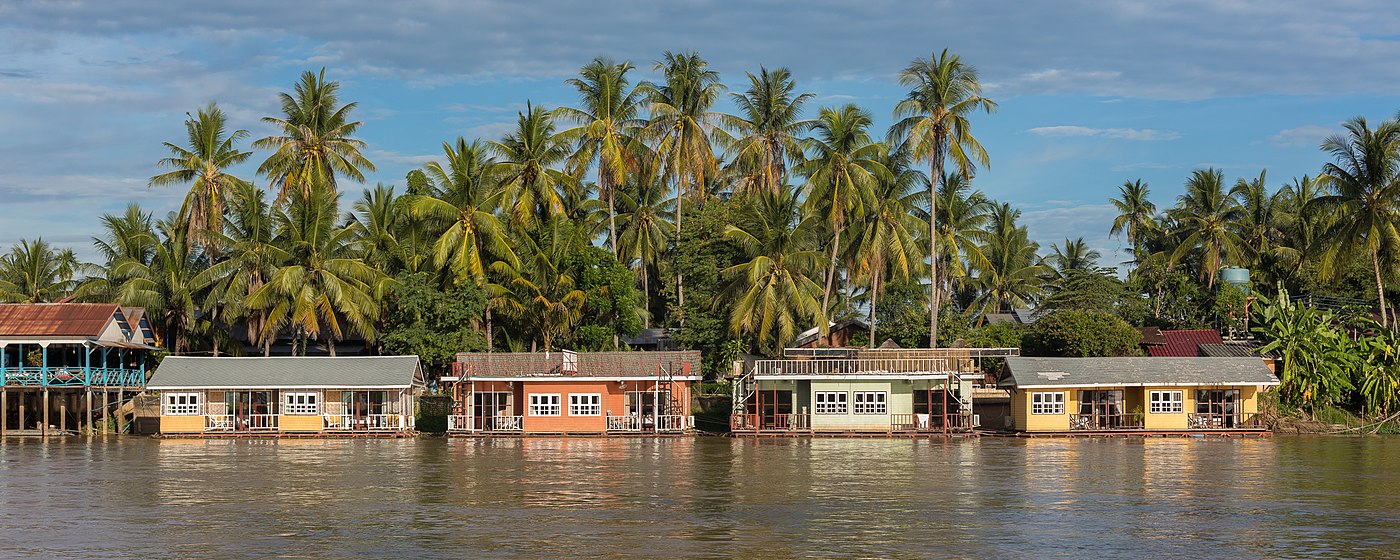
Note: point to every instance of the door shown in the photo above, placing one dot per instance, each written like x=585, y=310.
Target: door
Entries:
x=1218, y=408
x=251, y=410
x=486, y=406
x=1103, y=409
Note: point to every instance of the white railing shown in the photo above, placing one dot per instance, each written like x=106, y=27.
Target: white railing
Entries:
x=912, y=366
x=503, y=424
x=662, y=423
x=218, y=422
x=241, y=422
x=365, y=422
x=459, y=423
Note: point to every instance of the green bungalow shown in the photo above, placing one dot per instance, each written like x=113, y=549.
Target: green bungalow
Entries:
x=861, y=391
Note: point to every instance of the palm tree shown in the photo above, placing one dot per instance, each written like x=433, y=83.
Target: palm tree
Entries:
x=252, y=258
x=322, y=288
x=963, y=214
x=1208, y=219
x=1015, y=275
x=464, y=196
x=314, y=143
x=539, y=292
x=1135, y=214
x=933, y=125
x=1300, y=218
x=842, y=169
x=645, y=226
x=166, y=286
x=773, y=294
x=204, y=162
x=130, y=237
x=608, y=120
x=36, y=272
x=1258, y=223
x=768, y=127
x=382, y=230
x=884, y=242
x=534, y=188
x=1364, y=197
x=680, y=127
x=1074, y=255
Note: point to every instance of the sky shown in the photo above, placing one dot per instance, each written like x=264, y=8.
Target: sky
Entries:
x=1090, y=94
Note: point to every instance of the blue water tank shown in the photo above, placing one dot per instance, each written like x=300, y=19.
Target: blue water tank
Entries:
x=1238, y=277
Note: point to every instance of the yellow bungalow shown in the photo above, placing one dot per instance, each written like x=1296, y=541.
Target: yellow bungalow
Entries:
x=1143, y=395
x=287, y=395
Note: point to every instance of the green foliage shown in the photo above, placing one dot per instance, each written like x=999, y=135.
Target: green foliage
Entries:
x=1073, y=333
x=612, y=301
x=1095, y=290
x=1317, y=357
x=998, y=335
x=903, y=315
x=1229, y=307
x=702, y=253
x=433, y=323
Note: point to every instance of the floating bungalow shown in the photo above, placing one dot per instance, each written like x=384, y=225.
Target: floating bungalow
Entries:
x=862, y=391
x=614, y=393
x=288, y=395
x=1087, y=396
x=65, y=365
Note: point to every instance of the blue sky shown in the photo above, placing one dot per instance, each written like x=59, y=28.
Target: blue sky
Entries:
x=1091, y=94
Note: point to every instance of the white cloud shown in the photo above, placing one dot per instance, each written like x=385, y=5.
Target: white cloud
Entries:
x=1309, y=135
x=1145, y=134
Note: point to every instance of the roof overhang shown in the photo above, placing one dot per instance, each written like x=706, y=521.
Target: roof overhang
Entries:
x=570, y=379
x=267, y=388
x=867, y=376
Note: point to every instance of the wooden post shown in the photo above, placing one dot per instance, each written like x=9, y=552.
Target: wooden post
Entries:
x=121, y=416
x=4, y=410
x=44, y=425
x=87, y=418
x=63, y=415
x=103, y=429
x=22, y=395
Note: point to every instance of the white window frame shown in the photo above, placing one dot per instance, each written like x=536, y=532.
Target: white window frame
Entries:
x=870, y=402
x=585, y=404
x=1048, y=403
x=830, y=402
x=182, y=404
x=301, y=403
x=1166, y=402
x=545, y=404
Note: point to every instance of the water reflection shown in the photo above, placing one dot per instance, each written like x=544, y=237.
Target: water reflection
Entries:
x=704, y=497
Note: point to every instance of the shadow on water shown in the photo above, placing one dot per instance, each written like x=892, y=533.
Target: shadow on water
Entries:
x=701, y=497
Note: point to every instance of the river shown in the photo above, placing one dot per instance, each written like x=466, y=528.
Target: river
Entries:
x=714, y=497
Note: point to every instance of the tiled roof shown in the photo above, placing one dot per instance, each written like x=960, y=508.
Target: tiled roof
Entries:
x=181, y=372
x=1136, y=371
x=1227, y=351
x=1152, y=335
x=1184, y=343
x=55, y=319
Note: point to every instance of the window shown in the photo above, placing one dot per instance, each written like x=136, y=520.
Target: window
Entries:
x=1164, y=402
x=544, y=405
x=830, y=402
x=1047, y=403
x=869, y=402
x=302, y=403
x=181, y=404
x=585, y=405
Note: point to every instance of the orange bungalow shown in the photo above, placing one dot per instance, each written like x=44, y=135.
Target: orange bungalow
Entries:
x=572, y=393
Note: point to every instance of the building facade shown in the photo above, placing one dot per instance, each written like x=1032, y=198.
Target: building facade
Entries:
x=1136, y=394
x=573, y=393
x=288, y=395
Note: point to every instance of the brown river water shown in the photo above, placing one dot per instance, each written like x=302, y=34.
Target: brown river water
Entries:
x=132, y=497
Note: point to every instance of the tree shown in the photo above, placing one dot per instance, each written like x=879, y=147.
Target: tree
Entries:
x=963, y=215
x=1074, y=255
x=167, y=288
x=1135, y=214
x=841, y=171
x=1081, y=334
x=314, y=144
x=1014, y=272
x=433, y=323
x=1208, y=221
x=608, y=120
x=1095, y=290
x=611, y=306
x=884, y=240
x=1316, y=359
x=1364, y=196
x=35, y=272
x=540, y=293
x=529, y=155
x=383, y=231
x=463, y=196
x=645, y=227
x=680, y=127
x=251, y=258
x=933, y=125
x=211, y=150
x=323, y=290
x=130, y=236
x=768, y=128
x=773, y=293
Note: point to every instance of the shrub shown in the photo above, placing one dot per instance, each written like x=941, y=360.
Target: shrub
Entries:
x=1081, y=334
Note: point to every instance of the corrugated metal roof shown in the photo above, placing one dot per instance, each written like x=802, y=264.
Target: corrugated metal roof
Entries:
x=1227, y=351
x=680, y=363
x=55, y=319
x=1184, y=343
x=1071, y=372
x=179, y=372
x=1152, y=335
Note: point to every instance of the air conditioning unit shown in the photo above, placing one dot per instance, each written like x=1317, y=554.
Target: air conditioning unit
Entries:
x=977, y=420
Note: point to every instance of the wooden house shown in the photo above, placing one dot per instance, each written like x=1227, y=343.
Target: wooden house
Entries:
x=1136, y=394
x=573, y=392
x=288, y=395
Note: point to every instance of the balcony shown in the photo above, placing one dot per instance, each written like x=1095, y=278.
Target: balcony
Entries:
x=1221, y=421
x=1105, y=422
x=665, y=423
x=71, y=377
x=770, y=423
x=459, y=423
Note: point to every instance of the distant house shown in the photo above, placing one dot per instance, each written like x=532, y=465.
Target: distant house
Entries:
x=1017, y=316
x=839, y=335
x=653, y=340
x=1136, y=394
x=572, y=392
x=1180, y=343
x=283, y=395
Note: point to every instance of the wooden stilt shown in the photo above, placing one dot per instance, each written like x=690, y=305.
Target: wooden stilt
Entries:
x=121, y=416
x=103, y=416
x=44, y=421
x=22, y=395
x=87, y=418
x=63, y=415
x=4, y=411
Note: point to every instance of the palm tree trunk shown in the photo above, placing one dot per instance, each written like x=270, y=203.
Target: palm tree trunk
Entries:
x=646, y=297
x=935, y=172
x=830, y=276
x=612, y=212
x=489, y=343
x=680, y=277
x=1380, y=286
x=213, y=320
x=874, y=297
x=330, y=345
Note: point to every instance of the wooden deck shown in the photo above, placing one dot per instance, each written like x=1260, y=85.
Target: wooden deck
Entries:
x=1136, y=433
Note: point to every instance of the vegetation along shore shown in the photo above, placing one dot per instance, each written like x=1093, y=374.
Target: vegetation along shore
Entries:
x=642, y=207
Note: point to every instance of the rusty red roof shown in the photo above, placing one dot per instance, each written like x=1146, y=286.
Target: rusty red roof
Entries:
x=55, y=319
x=1184, y=343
